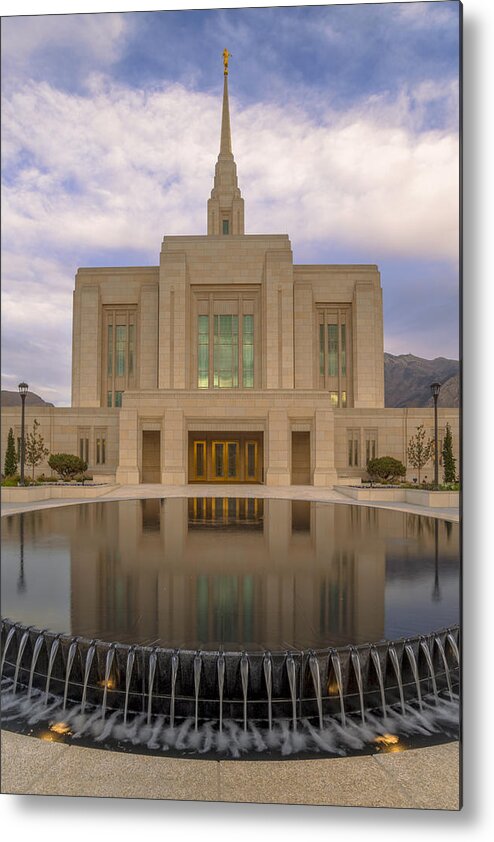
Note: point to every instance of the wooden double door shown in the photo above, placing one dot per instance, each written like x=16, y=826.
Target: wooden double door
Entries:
x=225, y=457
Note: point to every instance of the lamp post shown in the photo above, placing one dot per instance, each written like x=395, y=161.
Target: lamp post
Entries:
x=23, y=389
x=435, y=389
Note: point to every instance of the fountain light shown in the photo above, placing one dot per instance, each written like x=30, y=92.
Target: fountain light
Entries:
x=387, y=739
x=333, y=688
x=60, y=728
x=389, y=743
x=109, y=683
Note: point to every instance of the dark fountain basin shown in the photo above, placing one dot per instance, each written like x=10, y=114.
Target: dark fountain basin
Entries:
x=215, y=700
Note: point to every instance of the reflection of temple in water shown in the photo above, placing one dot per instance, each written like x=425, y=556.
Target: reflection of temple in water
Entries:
x=235, y=571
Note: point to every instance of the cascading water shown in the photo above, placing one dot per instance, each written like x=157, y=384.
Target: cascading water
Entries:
x=197, y=685
x=291, y=670
x=51, y=660
x=221, y=684
x=37, y=649
x=128, y=678
x=244, y=672
x=73, y=648
x=335, y=660
x=430, y=665
x=267, y=666
x=153, y=660
x=316, y=678
x=89, y=661
x=413, y=665
x=326, y=700
x=397, y=668
x=175, y=663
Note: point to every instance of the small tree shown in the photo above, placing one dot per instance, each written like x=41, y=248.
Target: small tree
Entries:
x=385, y=468
x=66, y=465
x=10, y=466
x=420, y=450
x=36, y=452
x=449, y=462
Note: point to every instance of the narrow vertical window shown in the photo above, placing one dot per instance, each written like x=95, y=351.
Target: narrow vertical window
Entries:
x=251, y=459
x=232, y=458
x=120, y=342
x=98, y=451
x=110, y=349
x=350, y=453
x=203, y=352
x=131, y=349
x=248, y=352
x=118, y=398
x=321, y=350
x=103, y=450
x=109, y=399
x=200, y=461
x=84, y=449
x=219, y=462
x=343, y=350
x=333, y=396
x=333, y=350
x=343, y=400
x=226, y=226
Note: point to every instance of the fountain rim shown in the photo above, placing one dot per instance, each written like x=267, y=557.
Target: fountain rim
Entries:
x=262, y=652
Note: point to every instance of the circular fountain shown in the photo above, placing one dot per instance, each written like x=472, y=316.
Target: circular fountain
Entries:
x=217, y=698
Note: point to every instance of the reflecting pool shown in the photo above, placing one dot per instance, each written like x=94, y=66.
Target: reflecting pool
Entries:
x=230, y=573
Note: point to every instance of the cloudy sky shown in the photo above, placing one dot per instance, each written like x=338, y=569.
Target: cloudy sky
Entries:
x=345, y=133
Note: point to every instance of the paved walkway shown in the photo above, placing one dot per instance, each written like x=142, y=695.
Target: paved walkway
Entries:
x=426, y=778
x=292, y=492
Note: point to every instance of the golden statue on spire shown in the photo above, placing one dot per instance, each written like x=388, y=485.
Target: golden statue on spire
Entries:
x=226, y=56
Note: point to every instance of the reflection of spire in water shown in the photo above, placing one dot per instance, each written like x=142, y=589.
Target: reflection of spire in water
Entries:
x=21, y=582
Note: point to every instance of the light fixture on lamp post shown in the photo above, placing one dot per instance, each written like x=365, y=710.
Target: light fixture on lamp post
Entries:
x=435, y=389
x=23, y=390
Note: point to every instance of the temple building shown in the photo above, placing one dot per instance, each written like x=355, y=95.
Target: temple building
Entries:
x=227, y=362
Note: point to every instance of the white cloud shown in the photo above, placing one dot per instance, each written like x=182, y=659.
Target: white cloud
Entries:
x=95, y=38
x=117, y=169
x=120, y=167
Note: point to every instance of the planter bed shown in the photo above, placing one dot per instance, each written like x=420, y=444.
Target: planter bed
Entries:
x=51, y=491
x=395, y=494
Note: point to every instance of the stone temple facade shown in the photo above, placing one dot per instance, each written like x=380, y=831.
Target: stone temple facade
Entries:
x=228, y=363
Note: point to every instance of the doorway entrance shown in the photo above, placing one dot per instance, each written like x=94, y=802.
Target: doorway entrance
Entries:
x=151, y=456
x=225, y=457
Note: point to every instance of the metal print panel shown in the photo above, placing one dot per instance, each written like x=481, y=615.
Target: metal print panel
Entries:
x=231, y=496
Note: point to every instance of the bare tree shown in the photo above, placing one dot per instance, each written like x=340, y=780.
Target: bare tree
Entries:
x=36, y=451
x=420, y=450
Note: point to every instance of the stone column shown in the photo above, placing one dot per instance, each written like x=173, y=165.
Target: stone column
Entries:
x=173, y=448
x=128, y=457
x=324, y=471
x=278, y=448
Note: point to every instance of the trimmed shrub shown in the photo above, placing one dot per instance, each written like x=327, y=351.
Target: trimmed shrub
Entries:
x=66, y=465
x=11, y=481
x=386, y=469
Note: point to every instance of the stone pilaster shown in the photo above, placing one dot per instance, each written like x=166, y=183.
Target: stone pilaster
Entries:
x=324, y=472
x=128, y=463
x=278, y=448
x=173, y=450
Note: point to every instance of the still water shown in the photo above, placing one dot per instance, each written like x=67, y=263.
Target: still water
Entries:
x=230, y=572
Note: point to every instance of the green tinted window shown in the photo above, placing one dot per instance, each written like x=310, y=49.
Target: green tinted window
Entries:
x=248, y=352
x=203, y=352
